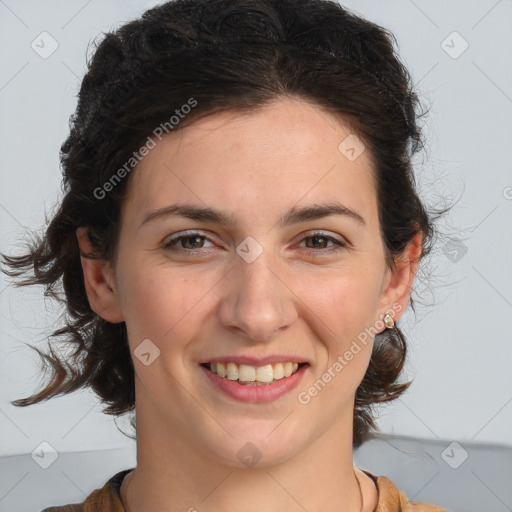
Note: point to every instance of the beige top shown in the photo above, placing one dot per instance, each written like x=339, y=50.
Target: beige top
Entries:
x=108, y=499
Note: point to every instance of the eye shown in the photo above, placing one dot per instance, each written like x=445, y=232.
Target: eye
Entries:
x=319, y=241
x=187, y=242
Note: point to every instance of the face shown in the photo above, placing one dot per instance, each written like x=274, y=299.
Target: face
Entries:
x=249, y=272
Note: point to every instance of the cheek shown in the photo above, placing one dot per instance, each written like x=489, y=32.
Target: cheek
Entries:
x=161, y=304
x=349, y=302
x=348, y=353
x=347, y=309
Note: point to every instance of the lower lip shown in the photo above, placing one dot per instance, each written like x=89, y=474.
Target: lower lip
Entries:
x=256, y=394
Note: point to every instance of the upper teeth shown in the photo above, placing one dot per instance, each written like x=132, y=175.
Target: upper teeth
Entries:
x=247, y=373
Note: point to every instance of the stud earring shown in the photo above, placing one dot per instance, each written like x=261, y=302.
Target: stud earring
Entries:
x=388, y=320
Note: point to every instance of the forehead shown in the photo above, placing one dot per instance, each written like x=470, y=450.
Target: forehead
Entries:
x=286, y=150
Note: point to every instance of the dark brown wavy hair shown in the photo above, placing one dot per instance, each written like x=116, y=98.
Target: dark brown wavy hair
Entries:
x=229, y=55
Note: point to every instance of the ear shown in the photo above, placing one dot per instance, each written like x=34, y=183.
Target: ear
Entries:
x=99, y=282
x=398, y=284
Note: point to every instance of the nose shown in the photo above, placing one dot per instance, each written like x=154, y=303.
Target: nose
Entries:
x=257, y=303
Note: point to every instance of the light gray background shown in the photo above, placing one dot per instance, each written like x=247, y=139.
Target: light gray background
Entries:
x=460, y=340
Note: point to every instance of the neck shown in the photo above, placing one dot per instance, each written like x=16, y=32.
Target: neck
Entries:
x=174, y=474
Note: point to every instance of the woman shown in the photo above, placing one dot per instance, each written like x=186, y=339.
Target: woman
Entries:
x=239, y=235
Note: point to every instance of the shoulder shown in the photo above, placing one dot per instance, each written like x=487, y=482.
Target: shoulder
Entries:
x=106, y=499
x=390, y=499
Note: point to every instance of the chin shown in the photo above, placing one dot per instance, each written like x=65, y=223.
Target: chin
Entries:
x=254, y=450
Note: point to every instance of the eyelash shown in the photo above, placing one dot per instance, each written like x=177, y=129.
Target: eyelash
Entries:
x=338, y=244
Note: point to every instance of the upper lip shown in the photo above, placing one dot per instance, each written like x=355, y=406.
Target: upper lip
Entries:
x=256, y=361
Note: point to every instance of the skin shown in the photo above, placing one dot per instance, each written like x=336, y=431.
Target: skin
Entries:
x=296, y=298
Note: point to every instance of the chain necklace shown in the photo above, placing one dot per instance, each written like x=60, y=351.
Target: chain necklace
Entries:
x=360, y=492
x=125, y=505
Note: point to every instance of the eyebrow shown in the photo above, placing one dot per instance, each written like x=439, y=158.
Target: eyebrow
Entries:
x=292, y=216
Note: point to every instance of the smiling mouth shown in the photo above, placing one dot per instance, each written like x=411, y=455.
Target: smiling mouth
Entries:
x=252, y=375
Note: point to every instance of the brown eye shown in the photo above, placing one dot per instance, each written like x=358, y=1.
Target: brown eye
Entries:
x=188, y=243
x=318, y=243
x=192, y=242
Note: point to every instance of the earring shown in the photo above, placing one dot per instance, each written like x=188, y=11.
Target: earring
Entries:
x=388, y=320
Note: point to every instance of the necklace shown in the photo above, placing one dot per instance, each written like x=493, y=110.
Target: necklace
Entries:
x=360, y=492
x=127, y=478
